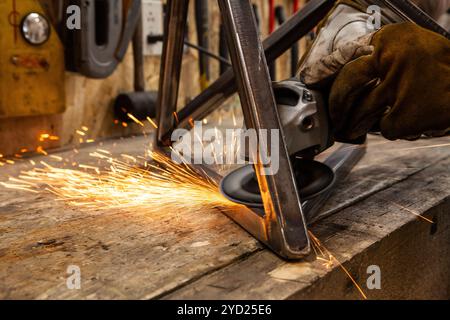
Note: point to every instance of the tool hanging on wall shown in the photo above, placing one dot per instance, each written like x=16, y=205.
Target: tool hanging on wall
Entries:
x=31, y=61
x=295, y=51
x=202, y=25
x=272, y=24
x=107, y=27
x=140, y=104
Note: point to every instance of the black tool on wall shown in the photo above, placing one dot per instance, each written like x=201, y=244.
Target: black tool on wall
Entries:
x=140, y=103
x=202, y=25
x=106, y=30
x=272, y=23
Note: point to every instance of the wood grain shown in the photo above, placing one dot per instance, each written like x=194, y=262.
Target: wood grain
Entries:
x=198, y=255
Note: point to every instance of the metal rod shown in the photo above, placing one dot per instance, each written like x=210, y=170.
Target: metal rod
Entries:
x=138, y=56
x=171, y=61
x=223, y=50
x=412, y=12
x=202, y=24
x=285, y=227
x=280, y=13
x=208, y=53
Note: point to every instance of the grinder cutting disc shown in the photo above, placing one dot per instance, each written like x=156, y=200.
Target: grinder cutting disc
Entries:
x=313, y=178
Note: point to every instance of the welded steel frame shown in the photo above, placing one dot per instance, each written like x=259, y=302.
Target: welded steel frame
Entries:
x=282, y=225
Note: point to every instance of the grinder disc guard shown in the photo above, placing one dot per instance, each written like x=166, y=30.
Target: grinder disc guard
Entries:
x=312, y=177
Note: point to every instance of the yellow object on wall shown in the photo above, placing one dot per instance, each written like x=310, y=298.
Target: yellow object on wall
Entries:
x=31, y=76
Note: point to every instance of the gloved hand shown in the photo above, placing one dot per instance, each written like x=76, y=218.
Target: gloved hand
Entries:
x=401, y=88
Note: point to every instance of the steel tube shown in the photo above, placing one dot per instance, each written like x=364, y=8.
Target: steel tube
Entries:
x=285, y=227
x=171, y=61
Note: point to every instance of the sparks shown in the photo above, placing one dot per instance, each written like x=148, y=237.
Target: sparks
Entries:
x=136, y=120
x=163, y=186
x=329, y=260
x=418, y=215
x=44, y=136
x=152, y=122
x=175, y=115
x=57, y=158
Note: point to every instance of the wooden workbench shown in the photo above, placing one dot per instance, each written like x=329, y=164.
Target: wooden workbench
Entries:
x=193, y=255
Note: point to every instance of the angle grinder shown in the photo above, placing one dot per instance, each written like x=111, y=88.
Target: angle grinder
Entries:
x=305, y=125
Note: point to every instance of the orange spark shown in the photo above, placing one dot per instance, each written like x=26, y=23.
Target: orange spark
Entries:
x=44, y=136
x=57, y=158
x=175, y=115
x=136, y=120
x=152, y=122
x=329, y=259
x=165, y=186
x=41, y=150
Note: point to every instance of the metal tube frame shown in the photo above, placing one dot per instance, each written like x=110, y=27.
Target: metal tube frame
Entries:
x=285, y=226
x=172, y=57
x=281, y=40
x=282, y=225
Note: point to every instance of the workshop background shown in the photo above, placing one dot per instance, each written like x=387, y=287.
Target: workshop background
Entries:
x=89, y=102
x=154, y=235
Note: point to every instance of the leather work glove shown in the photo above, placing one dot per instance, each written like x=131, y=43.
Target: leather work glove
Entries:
x=402, y=88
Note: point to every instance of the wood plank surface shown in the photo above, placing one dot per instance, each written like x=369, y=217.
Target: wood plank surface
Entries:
x=134, y=255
